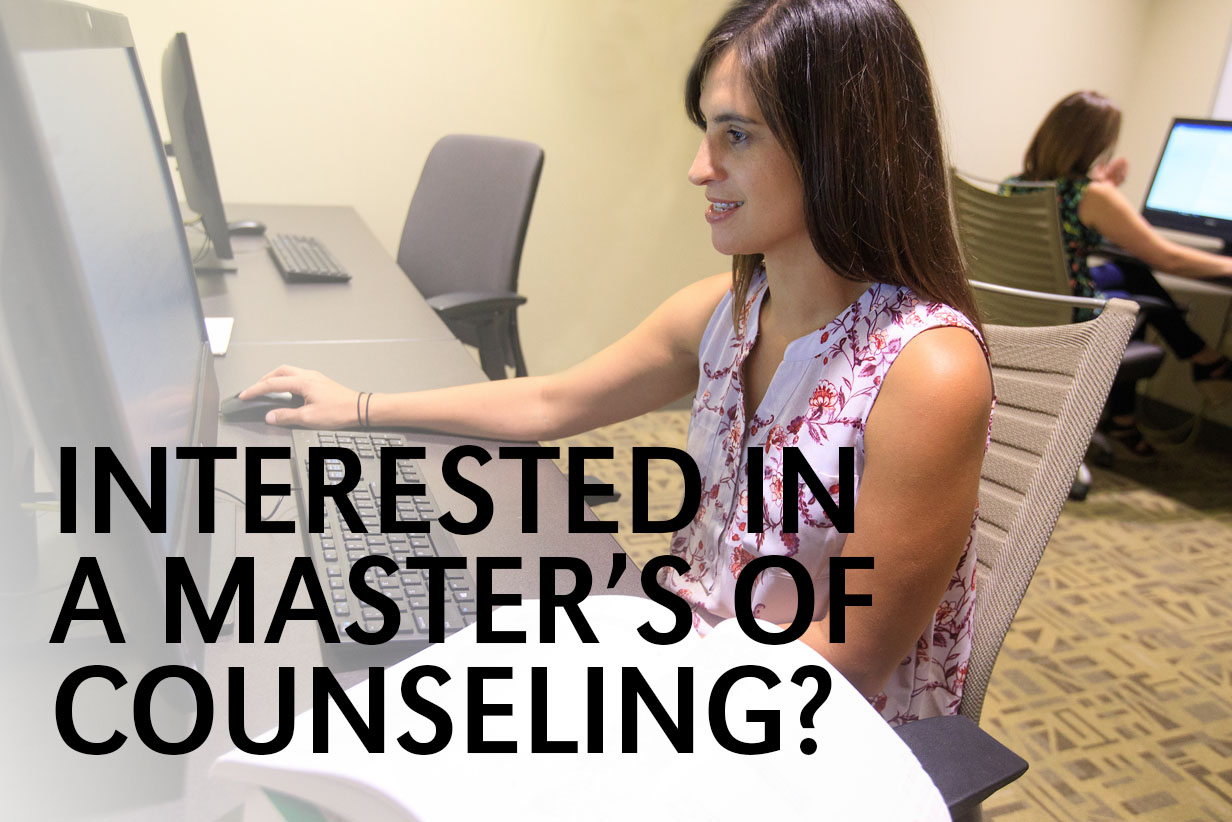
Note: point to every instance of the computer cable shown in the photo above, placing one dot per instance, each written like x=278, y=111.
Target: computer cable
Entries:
x=243, y=504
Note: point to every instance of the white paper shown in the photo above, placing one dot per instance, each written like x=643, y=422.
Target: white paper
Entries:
x=861, y=770
x=218, y=329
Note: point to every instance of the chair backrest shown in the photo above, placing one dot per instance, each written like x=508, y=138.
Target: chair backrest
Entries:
x=1012, y=240
x=467, y=221
x=1051, y=383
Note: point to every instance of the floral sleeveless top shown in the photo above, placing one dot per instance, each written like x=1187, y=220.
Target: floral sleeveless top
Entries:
x=1080, y=239
x=818, y=400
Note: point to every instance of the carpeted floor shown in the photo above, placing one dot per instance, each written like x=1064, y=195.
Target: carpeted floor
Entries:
x=1115, y=681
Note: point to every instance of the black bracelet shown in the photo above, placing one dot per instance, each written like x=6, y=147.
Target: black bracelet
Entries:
x=358, y=419
x=367, y=418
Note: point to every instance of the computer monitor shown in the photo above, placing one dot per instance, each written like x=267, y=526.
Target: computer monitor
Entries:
x=191, y=148
x=1191, y=189
x=102, y=343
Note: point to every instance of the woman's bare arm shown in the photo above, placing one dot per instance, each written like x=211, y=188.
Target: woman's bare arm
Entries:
x=1107, y=211
x=923, y=446
x=650, y=366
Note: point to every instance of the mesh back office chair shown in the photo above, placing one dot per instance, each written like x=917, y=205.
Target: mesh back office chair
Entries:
x=1016, y=241
x=462, y=241
x=1051, y=383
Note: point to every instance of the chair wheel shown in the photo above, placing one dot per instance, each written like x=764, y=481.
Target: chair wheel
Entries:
x=1079, y=490
x=1081, y=485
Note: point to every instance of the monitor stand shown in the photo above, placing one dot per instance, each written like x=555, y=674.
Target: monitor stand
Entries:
x=211, y=263
x=40, y=562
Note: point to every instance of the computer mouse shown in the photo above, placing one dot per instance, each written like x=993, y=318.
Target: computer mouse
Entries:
x=233, y=409
x=247, y=228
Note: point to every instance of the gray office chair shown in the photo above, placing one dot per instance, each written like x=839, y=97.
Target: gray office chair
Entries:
x=462, y=241
x=1016, y=241
x=1051, y=383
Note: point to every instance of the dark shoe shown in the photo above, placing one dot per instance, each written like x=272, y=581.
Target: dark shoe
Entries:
x=1214, y=380
x=1130, y=438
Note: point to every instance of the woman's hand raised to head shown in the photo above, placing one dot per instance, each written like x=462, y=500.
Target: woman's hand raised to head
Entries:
x=1114, y=171
x=327, y=404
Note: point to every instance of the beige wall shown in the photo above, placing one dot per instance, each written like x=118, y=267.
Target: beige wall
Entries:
x=309, y=101
x=314, y=101
x=1177, y=75
x=1000, y=65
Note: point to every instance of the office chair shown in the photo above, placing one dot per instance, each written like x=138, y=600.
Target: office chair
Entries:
x=462, y=241
x=1016, y=241
x=1051, y=383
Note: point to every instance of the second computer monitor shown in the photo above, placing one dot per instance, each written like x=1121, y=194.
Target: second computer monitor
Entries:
x=1191, y=189
x=191, y=147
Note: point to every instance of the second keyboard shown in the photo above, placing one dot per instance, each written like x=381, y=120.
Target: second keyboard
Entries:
x=304, y=260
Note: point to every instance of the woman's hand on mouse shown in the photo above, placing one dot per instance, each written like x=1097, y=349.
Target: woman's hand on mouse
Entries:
x=327, y=404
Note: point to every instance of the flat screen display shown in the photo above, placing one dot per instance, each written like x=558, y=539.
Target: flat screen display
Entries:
x=91, y=109
x=1194, y=177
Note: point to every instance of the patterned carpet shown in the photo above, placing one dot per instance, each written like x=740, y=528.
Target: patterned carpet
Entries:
x=1115, y=681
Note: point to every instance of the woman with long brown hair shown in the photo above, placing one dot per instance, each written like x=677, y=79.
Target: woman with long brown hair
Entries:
x=846, y=321
x=1073, y=148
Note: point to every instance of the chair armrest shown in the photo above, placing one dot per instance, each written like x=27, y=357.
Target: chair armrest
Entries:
x=1146, y=307
x=460, y=305
x=966, y=764
x=1147, y=303
x=1140, y=361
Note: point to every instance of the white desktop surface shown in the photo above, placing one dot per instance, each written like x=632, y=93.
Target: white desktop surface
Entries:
x=860, y=768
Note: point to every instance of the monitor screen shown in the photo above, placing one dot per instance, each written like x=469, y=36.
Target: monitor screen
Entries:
x=101, y=326
x=107, y=168
x=191, y=147
x=102, y=343
x=1192, y=186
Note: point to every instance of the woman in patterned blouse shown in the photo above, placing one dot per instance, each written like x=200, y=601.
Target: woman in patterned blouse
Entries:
x=822, y=164
x=1073, y=147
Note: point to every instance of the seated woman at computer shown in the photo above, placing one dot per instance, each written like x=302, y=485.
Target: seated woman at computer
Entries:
x=1073, y=147
x=846, y=321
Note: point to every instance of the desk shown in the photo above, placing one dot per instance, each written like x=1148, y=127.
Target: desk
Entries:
x=384, y=366
x=378, y=303
x=375, y=362
x=382, y=337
